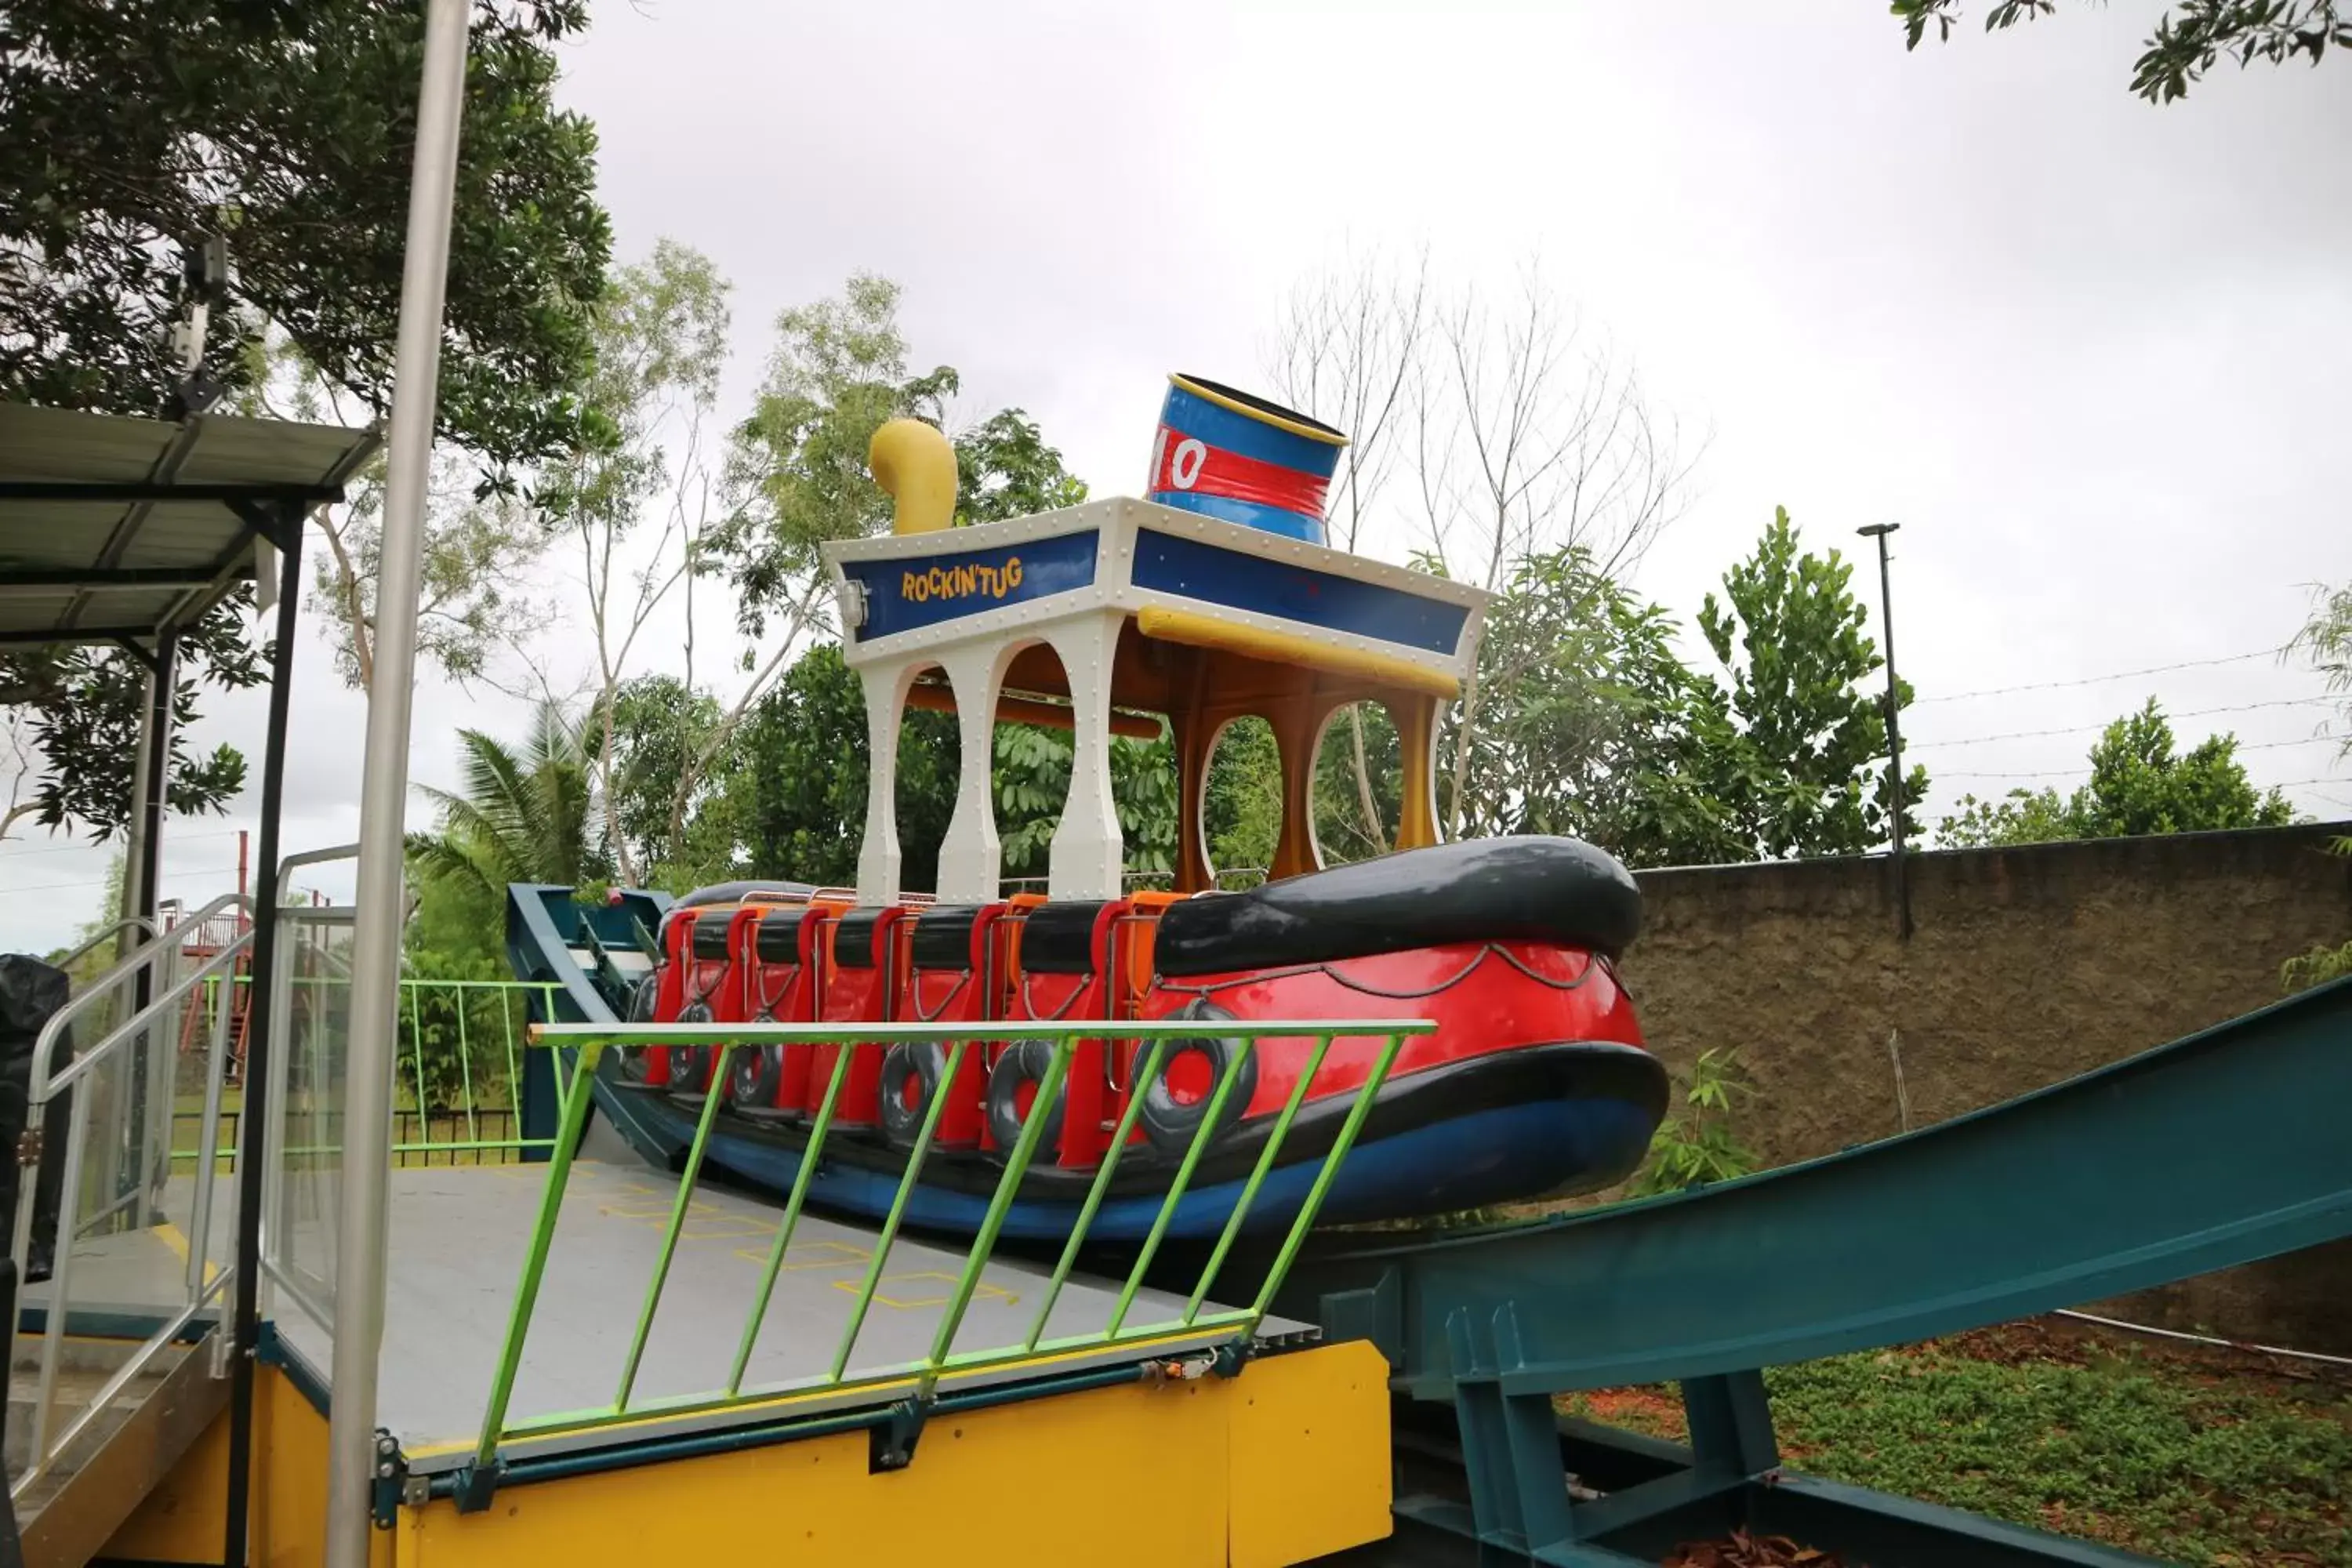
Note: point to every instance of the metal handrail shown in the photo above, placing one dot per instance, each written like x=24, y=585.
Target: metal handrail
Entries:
x=40, y=1453
x=310, y=858
x=38, y=1086
x=109, y=935
x=280, y=1062
x=957, y=1039
x=85, y=1062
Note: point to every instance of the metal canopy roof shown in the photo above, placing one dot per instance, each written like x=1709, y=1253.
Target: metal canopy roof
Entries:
x=114, y=528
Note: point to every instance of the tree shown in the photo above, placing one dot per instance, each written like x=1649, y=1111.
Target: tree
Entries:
x=1587, y=722
x=796, y=465
x=657, y=723
x=1005, y=470
x=1800, y=761
x=1497, y=431
x=1241, y=808
x=2189, y=40
x=473, y=597
x=1350, y=351
x=800, y=775
x=525, y=814
x=2325, y=641
x=290, y=128
x=1030, y=777
x=479, y=538
x=274, y=125
x=2138, y=785
x=793, y=478
x=21, y=765
x=660, y=334
x=1528, y=440
x=82, y=709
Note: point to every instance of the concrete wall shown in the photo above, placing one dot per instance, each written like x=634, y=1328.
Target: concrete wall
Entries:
x=2025, y=966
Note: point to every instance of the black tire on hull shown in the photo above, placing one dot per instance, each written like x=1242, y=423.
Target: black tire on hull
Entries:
x=636, y=1061
x=1171, y=1124
x=758, y=1073
x=1025, y=1063
x=684, y=1061
x=923, y=1064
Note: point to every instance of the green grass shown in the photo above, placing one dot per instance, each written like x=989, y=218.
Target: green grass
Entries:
x=2197, y=1458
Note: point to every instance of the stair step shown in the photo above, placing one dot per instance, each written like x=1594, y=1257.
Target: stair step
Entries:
x=76, y=1387
x=87, y=1490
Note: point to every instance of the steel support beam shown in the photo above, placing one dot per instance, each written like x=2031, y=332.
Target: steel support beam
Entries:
x=45, y=637
x=85, y=579
x=142, y=888
x=253, y=1127
x=124, y=493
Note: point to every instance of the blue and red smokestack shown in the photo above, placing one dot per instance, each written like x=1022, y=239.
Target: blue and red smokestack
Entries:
x=1227, y=455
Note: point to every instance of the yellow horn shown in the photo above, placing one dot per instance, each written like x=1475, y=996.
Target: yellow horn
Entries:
x=915, y=466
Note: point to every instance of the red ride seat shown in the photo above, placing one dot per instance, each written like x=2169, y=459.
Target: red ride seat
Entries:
x=696, y=967
x=780, y=987
x=952, y=979
x=862, y=985
x=1064, y=970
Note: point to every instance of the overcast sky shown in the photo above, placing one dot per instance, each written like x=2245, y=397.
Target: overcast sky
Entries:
x=2095, y=357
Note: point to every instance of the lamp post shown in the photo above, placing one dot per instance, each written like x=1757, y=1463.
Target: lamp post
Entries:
x=1879, y=530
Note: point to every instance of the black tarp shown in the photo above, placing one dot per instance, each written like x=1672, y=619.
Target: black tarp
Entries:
x=31, y=992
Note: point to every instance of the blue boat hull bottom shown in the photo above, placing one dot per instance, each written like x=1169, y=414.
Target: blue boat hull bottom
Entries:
x=1533, y=1122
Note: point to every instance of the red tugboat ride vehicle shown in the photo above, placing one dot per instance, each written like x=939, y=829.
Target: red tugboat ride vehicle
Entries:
x=1212, y=603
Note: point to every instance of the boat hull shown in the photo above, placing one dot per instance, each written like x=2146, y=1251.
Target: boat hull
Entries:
x=1536, y=1120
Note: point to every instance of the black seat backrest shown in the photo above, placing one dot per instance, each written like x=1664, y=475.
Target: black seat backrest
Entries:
x=1059, y=939
x=853, y=942
x=711, y=934
x=779, y=938
x=943, y=936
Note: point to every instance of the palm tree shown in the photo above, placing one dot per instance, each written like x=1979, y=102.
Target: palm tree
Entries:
x=525, y=815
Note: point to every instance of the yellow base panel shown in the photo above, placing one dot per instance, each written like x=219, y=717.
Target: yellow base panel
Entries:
x=185, y=1519
x=1287, y=1462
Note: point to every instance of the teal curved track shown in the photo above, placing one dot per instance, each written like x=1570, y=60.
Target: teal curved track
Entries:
x=2219, y=1148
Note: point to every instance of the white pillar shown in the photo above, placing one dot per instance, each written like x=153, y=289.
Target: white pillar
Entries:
x=971, y=860
x=1089, y=855
x=877, y=855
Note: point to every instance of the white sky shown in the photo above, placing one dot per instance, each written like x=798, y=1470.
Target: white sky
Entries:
x=2092, y=354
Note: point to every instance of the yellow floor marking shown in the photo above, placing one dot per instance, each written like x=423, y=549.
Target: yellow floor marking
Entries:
x=908, y=1304
x=171, y=1236
x=732, y=1227
x=844, y=1256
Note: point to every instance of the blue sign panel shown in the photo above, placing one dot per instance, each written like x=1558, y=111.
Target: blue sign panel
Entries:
x=1172, y=564
x=925, y=590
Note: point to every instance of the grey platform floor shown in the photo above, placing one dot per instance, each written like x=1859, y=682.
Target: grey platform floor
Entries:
x=458, y=1235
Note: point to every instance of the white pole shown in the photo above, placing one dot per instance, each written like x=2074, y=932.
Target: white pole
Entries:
x=376, y=953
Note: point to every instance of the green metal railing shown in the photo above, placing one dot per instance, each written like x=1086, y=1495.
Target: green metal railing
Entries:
x=944, y=1360
x=456, y=1037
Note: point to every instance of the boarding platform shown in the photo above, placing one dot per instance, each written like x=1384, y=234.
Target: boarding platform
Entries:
x=585, y=1356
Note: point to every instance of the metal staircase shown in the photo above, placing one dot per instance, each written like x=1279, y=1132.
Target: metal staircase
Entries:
x=117, y=1362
